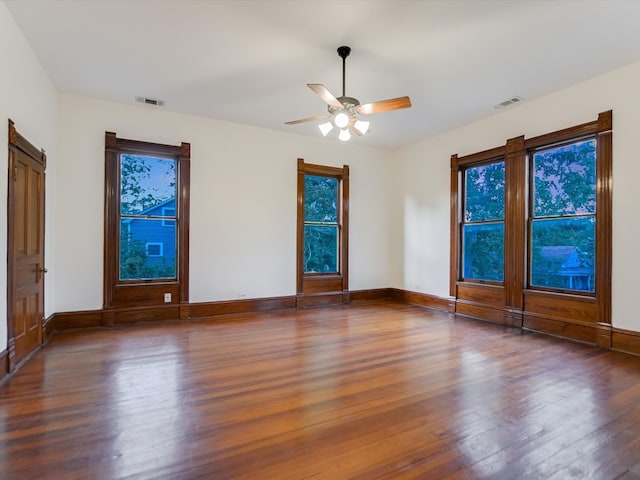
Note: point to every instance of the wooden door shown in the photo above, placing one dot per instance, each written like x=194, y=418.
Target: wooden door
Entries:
x=25, y=259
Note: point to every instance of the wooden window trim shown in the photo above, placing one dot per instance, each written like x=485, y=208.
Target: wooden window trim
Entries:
x=458, y=166
x=126, y=294
x=317, y=283
x=567, y=313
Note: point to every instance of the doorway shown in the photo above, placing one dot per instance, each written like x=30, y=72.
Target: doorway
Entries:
x=25, y=247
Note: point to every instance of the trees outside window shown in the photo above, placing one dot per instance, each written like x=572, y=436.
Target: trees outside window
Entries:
x=146, y=222
x=483, y=223
x=321, y=226
x=563, y=216
x=147, y=186
x=531, y=232
x=322, y=231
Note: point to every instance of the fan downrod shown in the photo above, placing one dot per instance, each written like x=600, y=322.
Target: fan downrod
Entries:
x=344, y=52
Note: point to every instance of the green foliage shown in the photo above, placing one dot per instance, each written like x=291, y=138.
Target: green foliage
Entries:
x=135, y=263
x=562, y=247
x=483, y=251
x=564, y=189
x=145, y=182
x=565, y=180
x=563, y=228
x=483, y=257
x=321, y=224
x=484, y=192
x=320, y=249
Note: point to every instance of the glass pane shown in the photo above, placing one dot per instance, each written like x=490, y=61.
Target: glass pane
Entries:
x=320, y=249
x=484, y=193
x=563, y=253
x=147, y=249
x=320, y=199
x=565, y=180
x=483, y=252
x=146, y=183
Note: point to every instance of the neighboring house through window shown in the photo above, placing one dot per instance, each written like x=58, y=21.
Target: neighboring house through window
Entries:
x=531, y=232
x=146, y=222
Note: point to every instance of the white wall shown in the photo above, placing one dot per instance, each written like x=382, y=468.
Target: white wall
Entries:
x=243, y=202
x=29, y=99
x=422, y=211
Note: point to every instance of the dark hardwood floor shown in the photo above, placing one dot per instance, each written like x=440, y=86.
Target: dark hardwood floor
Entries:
x=372, y=391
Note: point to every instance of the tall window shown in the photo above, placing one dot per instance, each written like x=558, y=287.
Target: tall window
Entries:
x=531, y=232
x=563, y=216
x=146, y=222
x=322, y=244
x=483, y=223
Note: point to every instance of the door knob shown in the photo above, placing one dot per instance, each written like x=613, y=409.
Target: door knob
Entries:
x=43, y=270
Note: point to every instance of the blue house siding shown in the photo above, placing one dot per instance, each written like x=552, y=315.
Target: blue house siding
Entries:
x=158, y=235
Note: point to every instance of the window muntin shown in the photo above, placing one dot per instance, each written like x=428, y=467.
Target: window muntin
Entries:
x=321, y=224
x=563, y=216
x=148, y=190
x=483, y=222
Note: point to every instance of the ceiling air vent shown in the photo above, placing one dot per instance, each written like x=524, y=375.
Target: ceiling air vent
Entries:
x=508, y=102
x=150, y=101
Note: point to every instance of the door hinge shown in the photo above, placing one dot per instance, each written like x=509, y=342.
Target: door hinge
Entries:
x=15, y=173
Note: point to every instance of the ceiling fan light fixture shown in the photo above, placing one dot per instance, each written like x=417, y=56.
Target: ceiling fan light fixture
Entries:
x=361, y=126
x=343, y=111
x=341, y=120
x=344, y=135
x=325, y=128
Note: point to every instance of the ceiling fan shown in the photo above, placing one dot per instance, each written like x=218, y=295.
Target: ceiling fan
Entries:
x=344, y=111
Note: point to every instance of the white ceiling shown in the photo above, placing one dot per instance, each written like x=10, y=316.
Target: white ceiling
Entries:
x=247, y=61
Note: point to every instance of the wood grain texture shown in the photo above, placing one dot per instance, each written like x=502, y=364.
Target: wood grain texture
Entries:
x=515, y=223
x=424, y=299
x=4, y=365
x=625, y=341
x=454, y=226
x=25, y=247
x=566, y=328
x=486, y=295
x=561, y=307
x=378, y=391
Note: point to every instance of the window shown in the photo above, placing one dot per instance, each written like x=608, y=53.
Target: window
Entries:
x=483, y=223
x=146, y=222
x=563, y=216
x=322, y=248
x=146, y=184
x=531, y=232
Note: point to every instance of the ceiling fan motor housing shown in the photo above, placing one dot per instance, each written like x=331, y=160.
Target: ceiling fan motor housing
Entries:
x=349, y=103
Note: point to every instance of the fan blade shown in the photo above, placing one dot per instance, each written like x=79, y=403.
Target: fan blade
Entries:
x=325, y=94
x=355, y=131
x=384, y=105
x=310, y=119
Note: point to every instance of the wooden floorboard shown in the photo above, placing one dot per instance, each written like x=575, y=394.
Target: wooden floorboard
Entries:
x=370, y=391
